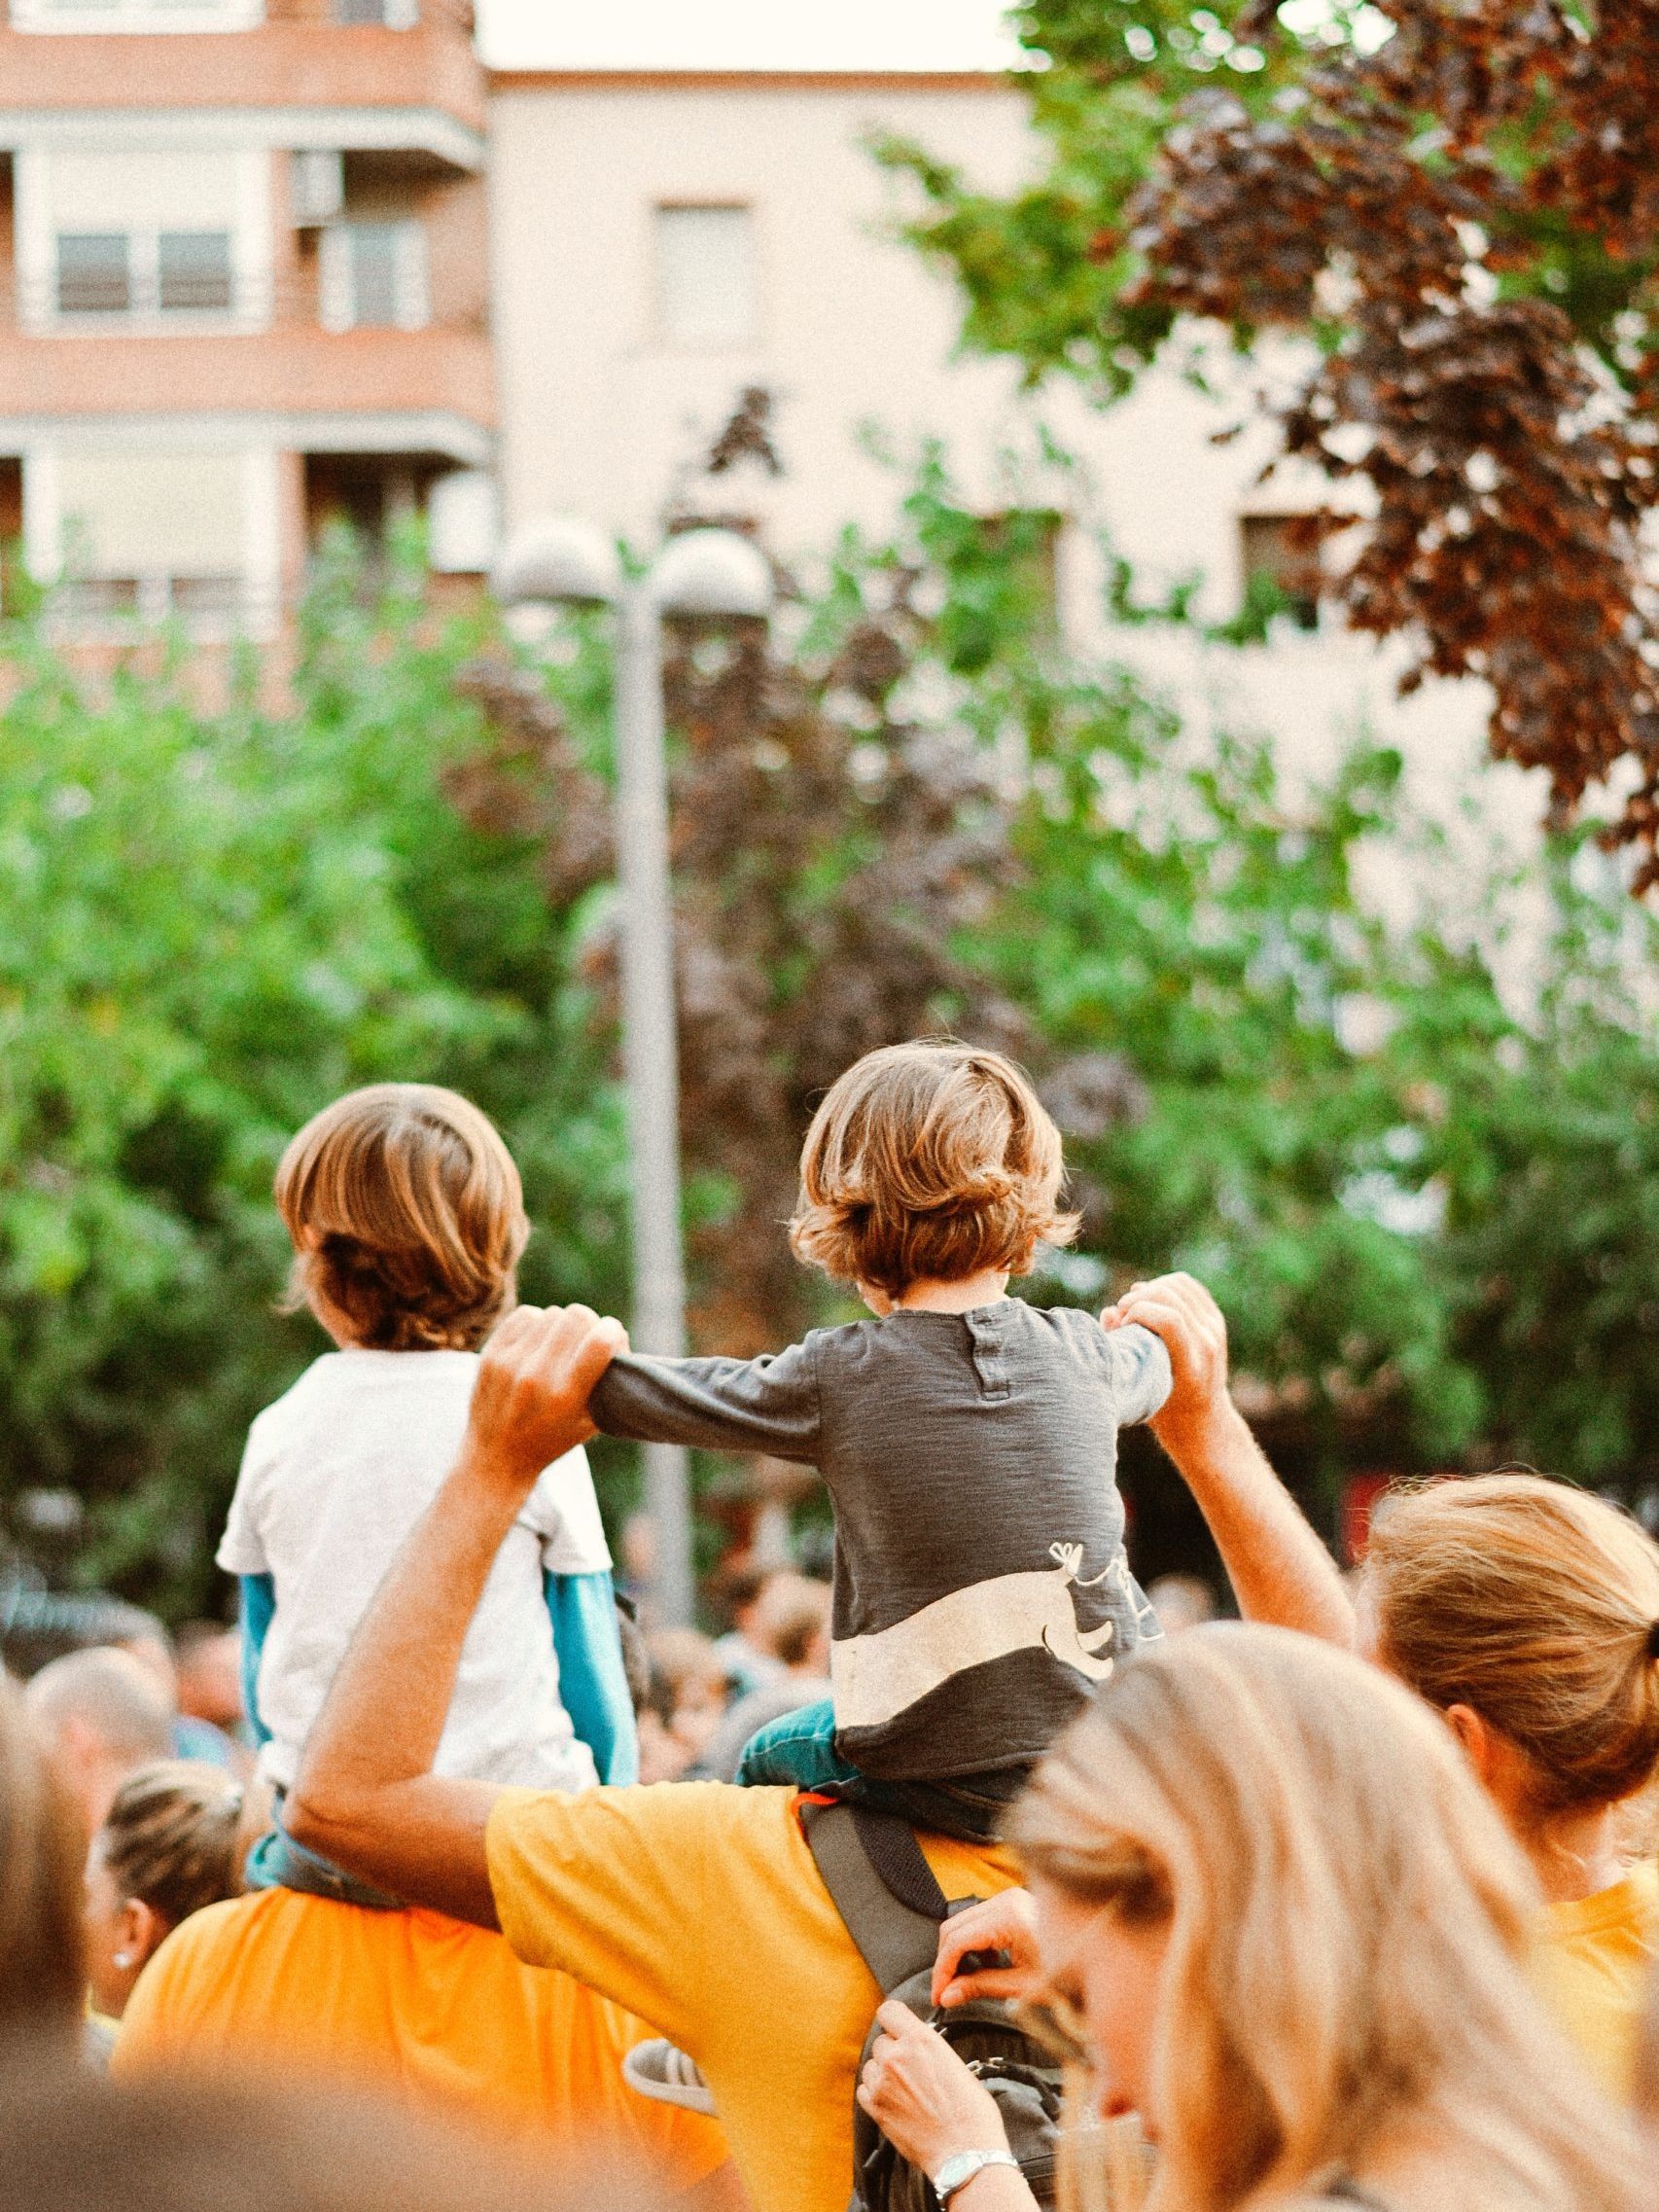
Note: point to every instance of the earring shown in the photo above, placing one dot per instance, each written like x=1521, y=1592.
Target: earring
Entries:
x=122, y=1959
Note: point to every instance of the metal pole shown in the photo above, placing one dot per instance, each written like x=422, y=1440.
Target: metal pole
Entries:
x=649, y=1059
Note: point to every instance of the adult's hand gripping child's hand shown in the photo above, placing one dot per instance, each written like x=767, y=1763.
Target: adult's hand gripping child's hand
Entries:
x=1181, y=1311
x=530, y=1399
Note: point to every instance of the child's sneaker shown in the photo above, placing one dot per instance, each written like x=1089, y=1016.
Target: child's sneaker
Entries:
x=659, y=2069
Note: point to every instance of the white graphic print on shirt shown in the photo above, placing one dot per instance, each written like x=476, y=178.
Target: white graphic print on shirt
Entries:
x=878, y=1676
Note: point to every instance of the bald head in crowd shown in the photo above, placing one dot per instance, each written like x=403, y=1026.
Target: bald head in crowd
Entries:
x=102, y=1715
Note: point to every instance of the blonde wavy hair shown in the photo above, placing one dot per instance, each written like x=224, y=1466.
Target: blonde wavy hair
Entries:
x=1346, y=1917
x=406, y=1214
x=1536, y=1605
x=928, y=1161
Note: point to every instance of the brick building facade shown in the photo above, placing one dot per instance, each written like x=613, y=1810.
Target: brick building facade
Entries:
x=243, y=286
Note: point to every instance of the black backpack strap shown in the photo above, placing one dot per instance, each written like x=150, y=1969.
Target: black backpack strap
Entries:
x=881, y=1885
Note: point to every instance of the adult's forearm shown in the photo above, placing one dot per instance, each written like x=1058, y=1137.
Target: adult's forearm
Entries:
x=365, y=1796
x=1280, y=1571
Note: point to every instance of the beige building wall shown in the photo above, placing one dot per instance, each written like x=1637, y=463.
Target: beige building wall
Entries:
x=600, y=413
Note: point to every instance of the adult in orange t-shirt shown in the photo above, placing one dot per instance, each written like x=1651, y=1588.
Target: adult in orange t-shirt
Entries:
x=411, y=2003
x=697, y=1906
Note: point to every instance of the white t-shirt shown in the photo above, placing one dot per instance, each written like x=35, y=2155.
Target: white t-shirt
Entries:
x=335, y=1476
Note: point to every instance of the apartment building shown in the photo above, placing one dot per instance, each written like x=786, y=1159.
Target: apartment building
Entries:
x=257, y=270
x=242, y=288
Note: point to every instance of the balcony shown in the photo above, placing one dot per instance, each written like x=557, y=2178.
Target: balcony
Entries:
x=258, y=348
x=419, y=85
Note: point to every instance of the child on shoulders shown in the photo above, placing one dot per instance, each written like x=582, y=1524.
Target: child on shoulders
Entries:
x=968, y=1442
x=406, y=1218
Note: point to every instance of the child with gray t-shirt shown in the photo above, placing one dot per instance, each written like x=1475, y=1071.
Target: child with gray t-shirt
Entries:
x=968, y=1442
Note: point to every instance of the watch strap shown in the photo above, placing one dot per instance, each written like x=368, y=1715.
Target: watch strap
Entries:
x=956, y=2173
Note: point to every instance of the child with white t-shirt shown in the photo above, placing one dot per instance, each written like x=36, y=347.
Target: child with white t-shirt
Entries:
x=406, y=1218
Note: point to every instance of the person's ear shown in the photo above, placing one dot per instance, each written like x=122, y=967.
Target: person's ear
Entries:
x=142, y=1929
x=1479, y=1741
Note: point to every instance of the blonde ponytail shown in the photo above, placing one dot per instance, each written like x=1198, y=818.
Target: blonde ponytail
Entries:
x=1536, y=1605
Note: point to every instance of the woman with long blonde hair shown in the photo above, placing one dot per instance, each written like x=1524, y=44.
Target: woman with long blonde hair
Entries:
x=1288, y=1927
x=1527, y=1613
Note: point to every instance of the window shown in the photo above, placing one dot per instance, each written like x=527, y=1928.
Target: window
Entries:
x=159, y=236
x=193, y=272
x=1280, y=556
x=707, y=278
x=387, y=14
x=144, y=535
x=94, y=272
x=372, y=275
x=1026, y=539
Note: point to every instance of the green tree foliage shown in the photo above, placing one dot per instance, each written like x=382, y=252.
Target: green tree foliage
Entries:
x=210, y=923
x=1458, y=206
x=1401, y=1161
x=1428, y=1204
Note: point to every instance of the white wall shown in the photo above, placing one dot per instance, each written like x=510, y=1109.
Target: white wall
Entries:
x=598, y=416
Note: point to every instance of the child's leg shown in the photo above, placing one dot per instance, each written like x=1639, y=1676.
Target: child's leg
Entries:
x=278, y=1862
x=797, y=1751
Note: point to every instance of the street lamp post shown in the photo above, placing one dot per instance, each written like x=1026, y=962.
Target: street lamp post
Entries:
x=562, y=560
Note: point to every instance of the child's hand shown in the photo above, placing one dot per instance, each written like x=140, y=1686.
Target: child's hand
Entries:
x=1187, y=1318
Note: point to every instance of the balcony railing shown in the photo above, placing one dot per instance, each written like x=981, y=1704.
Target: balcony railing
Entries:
x=92, y=15
x=107, y=302
x=124, y=611
x=89, y=295
x=92, y=600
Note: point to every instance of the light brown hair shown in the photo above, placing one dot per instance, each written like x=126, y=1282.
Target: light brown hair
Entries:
x=928, y=1161
x=174, y=1837
x=42, y=1854
x=1346, y=1924
x=1535, y=1604
x=407, y=1215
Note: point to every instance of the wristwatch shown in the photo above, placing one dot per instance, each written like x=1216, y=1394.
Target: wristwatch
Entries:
x=958, y=2171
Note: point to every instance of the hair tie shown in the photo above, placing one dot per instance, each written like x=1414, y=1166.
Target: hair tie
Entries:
x=1654, y=1641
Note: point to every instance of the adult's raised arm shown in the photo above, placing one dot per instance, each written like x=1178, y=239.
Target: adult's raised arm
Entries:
x=365, y=1796
x=1279, y=1569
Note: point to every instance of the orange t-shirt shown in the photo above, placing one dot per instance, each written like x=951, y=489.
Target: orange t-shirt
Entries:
x=701, y=1904
x=409, y=2003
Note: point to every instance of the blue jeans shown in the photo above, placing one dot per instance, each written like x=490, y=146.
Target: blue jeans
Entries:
x=798, y=1752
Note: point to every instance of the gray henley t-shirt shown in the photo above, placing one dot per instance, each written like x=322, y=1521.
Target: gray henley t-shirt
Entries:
x=981, y=1585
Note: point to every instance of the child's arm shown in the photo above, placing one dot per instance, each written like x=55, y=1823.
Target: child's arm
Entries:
x=767, y=1405
x=1139, y=1373
x=592, y=1679
x=258, y=1607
